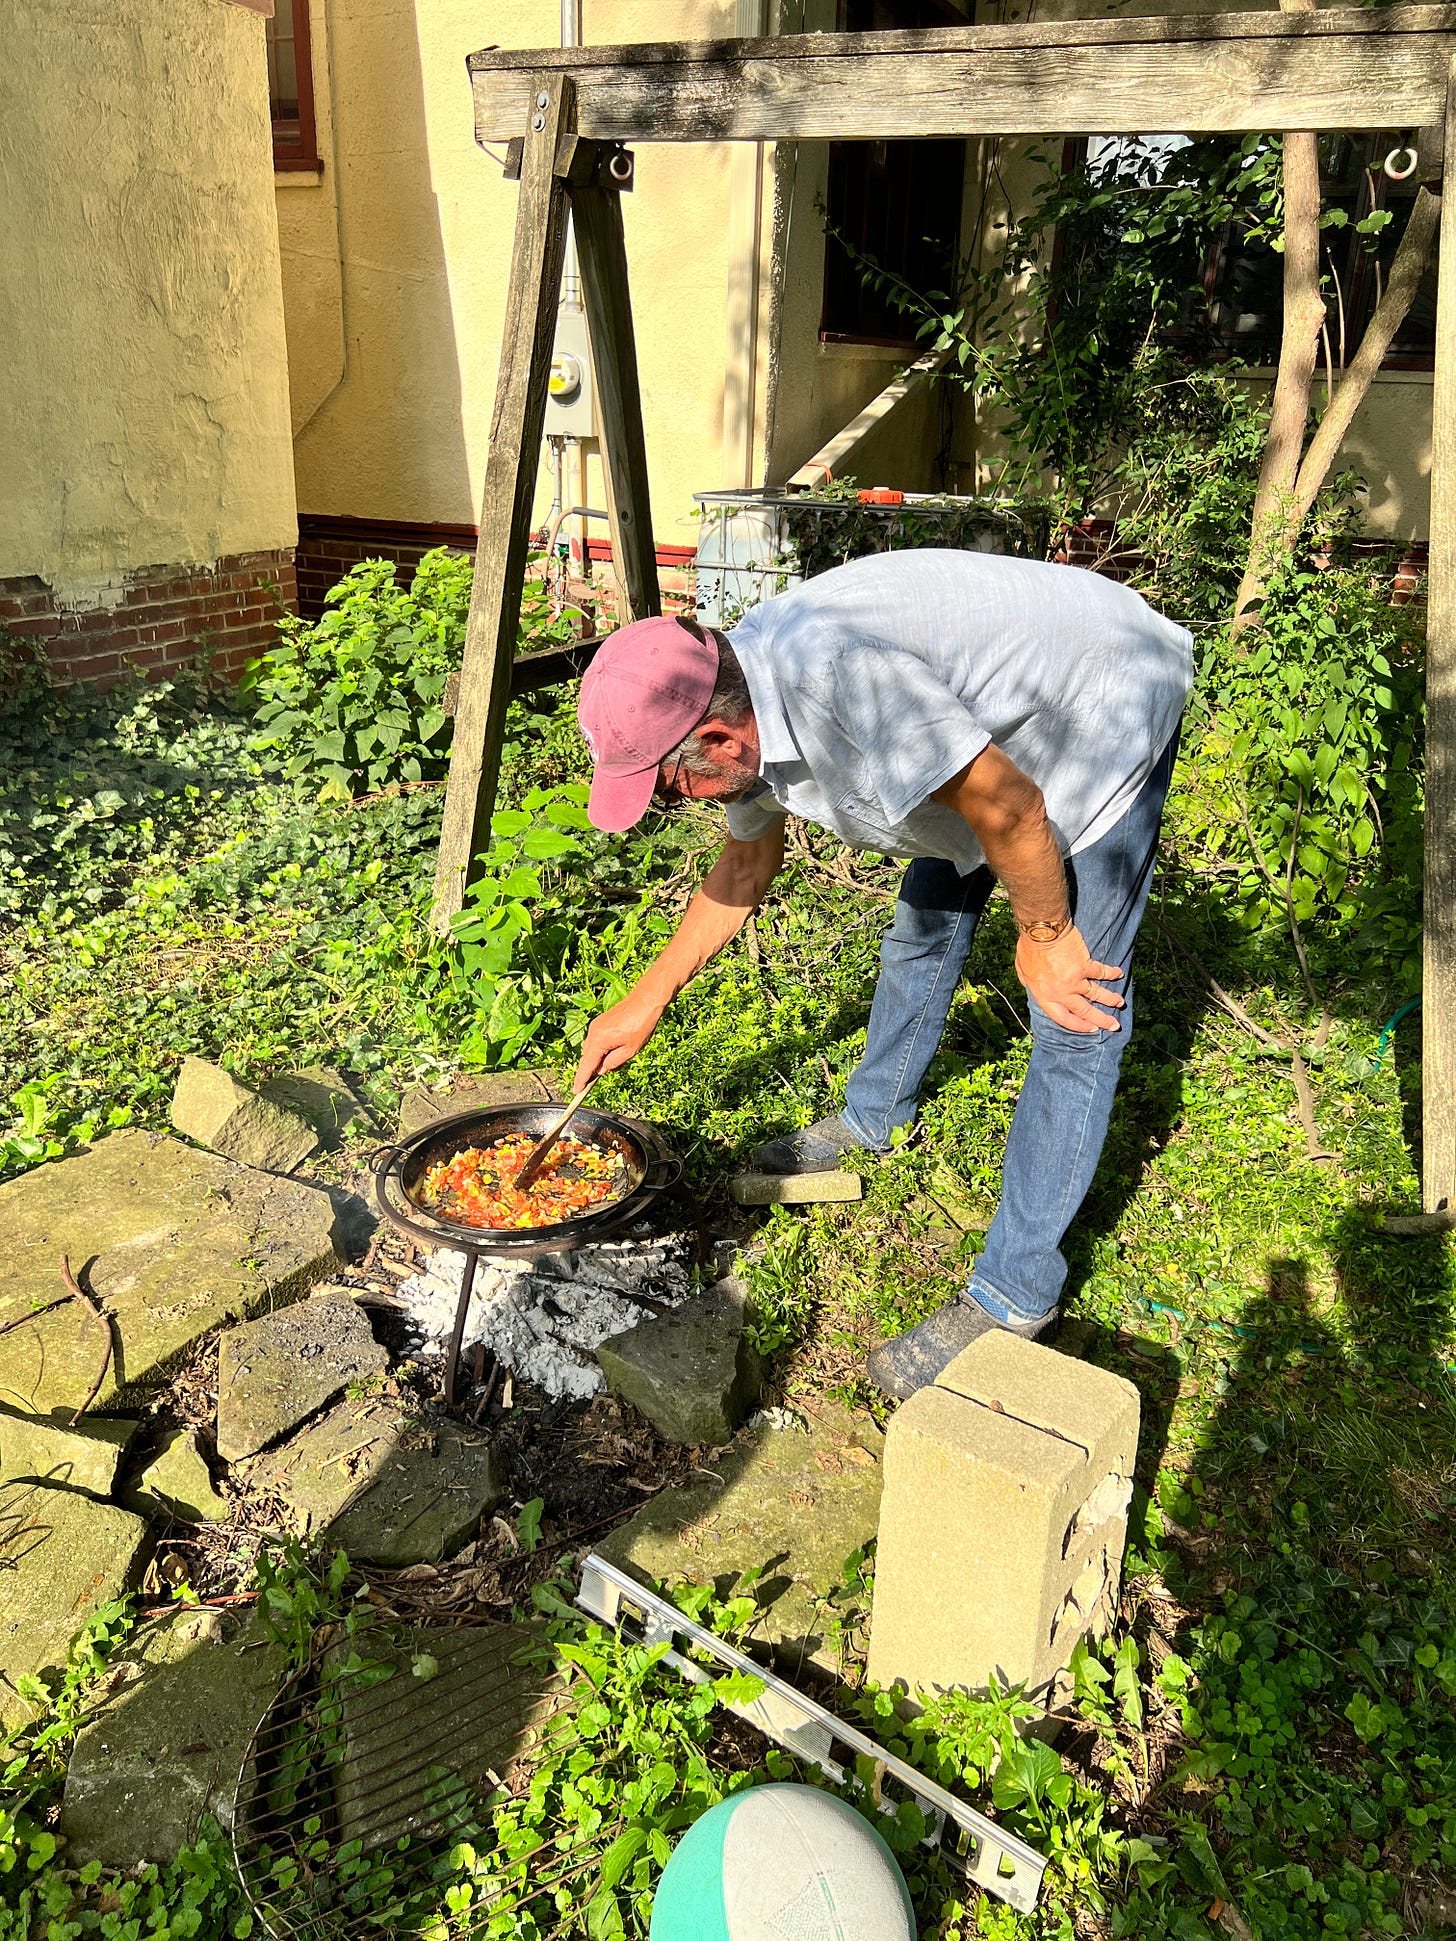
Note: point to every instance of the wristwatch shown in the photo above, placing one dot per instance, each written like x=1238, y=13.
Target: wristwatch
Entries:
x=1043, y=930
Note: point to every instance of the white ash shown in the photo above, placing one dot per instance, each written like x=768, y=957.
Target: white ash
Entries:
x=544, y=1317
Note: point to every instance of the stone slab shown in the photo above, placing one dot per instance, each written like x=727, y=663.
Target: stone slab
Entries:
x=178, y=1482
x=62, y=1556
x=390, y=1488
x=323, y=1098
x=795, y=1189
x=693, y=1373
x=274, y=1373
x=409, y=1739
x=421, y=1103
x=174, y=1242
x=795, y=1504
x=45, y=1449
x=167, y=1744
x=219, y=1111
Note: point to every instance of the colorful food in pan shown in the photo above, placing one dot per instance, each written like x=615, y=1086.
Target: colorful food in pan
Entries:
x=475, y=1186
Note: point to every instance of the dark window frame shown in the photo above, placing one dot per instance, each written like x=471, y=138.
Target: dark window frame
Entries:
x=849, y=159
x=1360, y=268
x=295, y=137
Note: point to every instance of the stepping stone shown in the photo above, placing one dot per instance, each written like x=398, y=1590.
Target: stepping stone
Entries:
x=218, y=1110
x=172, y=1242
x=390, y=1488
x=321, y=1096
x=439, y=1737
x=168, y=1743
x=178, y=1482
x=44, y=1449
x=794, y=1504
x=64, y=1556
x=274, y=1373
x=472, y=1092
x=693, y=1373
x=795, y=1189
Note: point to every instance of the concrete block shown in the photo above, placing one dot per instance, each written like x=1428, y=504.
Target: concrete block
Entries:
x=693, y=1373
x=795, y=1189
x=1003, y=1520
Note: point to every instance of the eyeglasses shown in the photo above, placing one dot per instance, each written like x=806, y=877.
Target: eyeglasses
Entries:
x=671, y=792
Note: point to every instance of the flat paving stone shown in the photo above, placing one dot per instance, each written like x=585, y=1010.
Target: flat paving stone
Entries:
x=276, y=1372
x=218, y=1110
x=390, y=1487
x=44, y=1449
x=178, y=1482
x=173, y=1242
x=794, y=1504
x=167, y=1745
x=693, y=1373
x=62, y=1556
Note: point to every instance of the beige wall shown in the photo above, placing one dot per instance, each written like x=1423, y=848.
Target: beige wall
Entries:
x=144, y=403
x=395, y=262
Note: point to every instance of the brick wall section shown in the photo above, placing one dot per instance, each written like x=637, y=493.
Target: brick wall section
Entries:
x=329, y=546
x=166, y=615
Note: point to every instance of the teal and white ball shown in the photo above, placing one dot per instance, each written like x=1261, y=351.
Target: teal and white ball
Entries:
x=782, y=1863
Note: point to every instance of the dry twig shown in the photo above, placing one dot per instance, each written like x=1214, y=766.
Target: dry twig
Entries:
x=81, y=1295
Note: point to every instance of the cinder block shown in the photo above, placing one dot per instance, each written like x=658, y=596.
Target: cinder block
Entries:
x=795, y=1189
x=1003, y=1520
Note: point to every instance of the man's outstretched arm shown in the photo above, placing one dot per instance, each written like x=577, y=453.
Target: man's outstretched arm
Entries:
x=1007, y=815
x=732, y=890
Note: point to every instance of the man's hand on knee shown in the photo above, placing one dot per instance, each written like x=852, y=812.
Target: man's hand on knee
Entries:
x=1068, y=984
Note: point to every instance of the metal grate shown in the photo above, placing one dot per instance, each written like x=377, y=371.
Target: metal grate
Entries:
x=369, y=1775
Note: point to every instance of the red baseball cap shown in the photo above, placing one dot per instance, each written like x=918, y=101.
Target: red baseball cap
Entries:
x=648, y=686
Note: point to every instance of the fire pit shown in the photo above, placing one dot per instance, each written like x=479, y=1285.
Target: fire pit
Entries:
x=400, y=1168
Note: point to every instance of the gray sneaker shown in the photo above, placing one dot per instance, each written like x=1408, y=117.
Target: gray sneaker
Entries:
x=916, y=1359
x=817, y=1149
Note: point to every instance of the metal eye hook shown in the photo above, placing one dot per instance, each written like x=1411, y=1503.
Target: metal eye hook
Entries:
x=1401, y=174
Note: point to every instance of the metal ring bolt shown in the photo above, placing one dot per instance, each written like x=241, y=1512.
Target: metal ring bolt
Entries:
x=1401, y=174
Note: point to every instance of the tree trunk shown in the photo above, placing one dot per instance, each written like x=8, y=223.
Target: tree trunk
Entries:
x=1304, y=313
x=1390, y=313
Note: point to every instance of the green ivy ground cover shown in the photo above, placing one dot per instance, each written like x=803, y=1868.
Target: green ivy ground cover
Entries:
x=1268, y=1744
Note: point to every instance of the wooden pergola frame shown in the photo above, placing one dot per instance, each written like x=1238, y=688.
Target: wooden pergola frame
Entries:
x=566, y=113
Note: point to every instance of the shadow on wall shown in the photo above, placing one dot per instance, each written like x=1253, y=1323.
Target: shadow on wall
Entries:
x=388, y=440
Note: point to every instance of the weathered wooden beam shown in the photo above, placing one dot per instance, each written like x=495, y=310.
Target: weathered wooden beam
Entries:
x=596, y=208
x=1438, y=1009
x=1341, y=68
x=513, y=458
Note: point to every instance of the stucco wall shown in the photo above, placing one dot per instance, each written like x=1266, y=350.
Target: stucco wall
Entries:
x=144, y=408
x=395, y=265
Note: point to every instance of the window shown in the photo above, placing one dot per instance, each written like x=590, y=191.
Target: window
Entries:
x=290, y=87
x=898, y=202
x=1242, y=309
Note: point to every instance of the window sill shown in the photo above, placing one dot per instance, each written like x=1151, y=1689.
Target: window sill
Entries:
x=837, y=351
x=297, y=175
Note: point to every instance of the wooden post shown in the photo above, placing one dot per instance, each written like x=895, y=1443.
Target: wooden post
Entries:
x=1438, y=1010
x=596, y=208
x=512, y=461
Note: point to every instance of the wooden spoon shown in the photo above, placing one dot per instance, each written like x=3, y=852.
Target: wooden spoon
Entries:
x=540, y=1152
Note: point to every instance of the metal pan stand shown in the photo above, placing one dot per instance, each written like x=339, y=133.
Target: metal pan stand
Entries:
x=974, y=1846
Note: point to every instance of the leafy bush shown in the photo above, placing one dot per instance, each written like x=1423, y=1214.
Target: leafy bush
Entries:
x=354, y=701
x=1303, y=785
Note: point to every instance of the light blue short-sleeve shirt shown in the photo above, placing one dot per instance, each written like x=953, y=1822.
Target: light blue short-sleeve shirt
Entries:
x=881, y=679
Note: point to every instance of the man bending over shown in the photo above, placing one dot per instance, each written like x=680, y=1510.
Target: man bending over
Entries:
x=987, y=718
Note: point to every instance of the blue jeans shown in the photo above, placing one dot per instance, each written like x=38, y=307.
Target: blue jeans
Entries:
x=1061, y=1116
